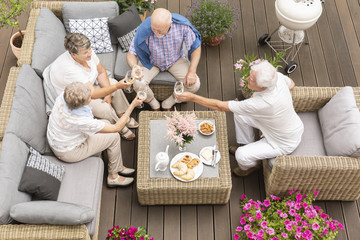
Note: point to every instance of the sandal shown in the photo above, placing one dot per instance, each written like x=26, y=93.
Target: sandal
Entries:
x=131, y=123
x=127, y=134
x=117, y=182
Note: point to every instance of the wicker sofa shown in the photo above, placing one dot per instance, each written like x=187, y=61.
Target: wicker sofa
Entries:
x=334, y=177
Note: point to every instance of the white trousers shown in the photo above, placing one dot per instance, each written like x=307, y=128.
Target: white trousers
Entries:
x=252, y=153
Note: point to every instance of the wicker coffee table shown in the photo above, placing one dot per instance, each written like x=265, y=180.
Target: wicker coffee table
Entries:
x=204, y=190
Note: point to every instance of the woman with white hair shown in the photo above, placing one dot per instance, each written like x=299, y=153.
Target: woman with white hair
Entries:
x=270, y=109
x=73, y=133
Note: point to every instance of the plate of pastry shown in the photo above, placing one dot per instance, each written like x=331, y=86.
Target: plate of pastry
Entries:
x=206, y=155
x=206, y=127
x=186, y=167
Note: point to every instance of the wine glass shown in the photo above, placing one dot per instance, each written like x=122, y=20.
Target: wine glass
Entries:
x=178, y=89
x=141, y=94
x=129, y=79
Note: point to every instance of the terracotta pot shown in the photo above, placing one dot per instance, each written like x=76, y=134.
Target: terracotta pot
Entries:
x=214, y=41
x=16, y=51
x=142, y=16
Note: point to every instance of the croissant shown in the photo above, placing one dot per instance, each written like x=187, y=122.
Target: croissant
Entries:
x=189, y=175
x=182, y=168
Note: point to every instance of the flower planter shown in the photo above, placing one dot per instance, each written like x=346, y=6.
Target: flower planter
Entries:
x=214, y=41
x=16, y=50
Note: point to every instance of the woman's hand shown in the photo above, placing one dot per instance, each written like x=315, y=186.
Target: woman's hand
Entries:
x=123, y=84
x=136, y=102
x=184, y=97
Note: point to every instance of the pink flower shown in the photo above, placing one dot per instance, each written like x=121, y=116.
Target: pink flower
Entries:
x=279, y=212
x=260, y=233
x=325, y=230
x=284, y=235
x=251, y=219
x=288, y=227
x=275, y=238
x=247, y=206
x=297, y=219
x=243, y=197
x=324, y=216
x=307, y=234
x=263, y=224
x=299, y=197
x=247, y=227
x=297, y=206
x=292, y=212
x=283, y=215
x=315, y=226
x=270, y=231
x=274, y=197
x=315, y=193
x=242, y=221
x=239, y=229
x=236, y=236
x=258, y=215
x=267, y=203
x=250, y=235
x=292, y=191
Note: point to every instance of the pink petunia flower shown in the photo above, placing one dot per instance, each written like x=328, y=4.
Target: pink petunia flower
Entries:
x=315, y=226
x=258, y=215
x=239, y=229
x=284, y=235
x=267, y=203
x=236, y=236
x=247, y=206
x=243, y=197
x=264, y=224
x=270, y=231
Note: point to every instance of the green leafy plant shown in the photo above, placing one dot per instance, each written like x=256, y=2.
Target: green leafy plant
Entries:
x=141, y=5
x=244, y=66
x=10, y=10
x=213, y=18
x=294, y=217
x=128, y=233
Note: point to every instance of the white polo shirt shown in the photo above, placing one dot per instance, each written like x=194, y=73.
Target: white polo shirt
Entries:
x=273, y=112
x=65, y=70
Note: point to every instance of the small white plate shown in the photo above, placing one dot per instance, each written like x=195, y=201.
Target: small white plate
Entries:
x=206, y=121
x=198, y=169
x=206, y=162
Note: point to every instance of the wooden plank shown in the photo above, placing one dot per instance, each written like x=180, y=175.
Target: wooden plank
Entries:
x=317, y=56
x=307, y=66
x=222, y=222
x=188, y=223
x=156, y=221
x=350, y=37
x=354, y=7
x=260, y=24
x=205, y=222
x=249, y=26
x=334, y=209
x=107, y=209
x=331, y=58
x=341, y=49
x=202, y=74
x=351, y=217
x=172, y=223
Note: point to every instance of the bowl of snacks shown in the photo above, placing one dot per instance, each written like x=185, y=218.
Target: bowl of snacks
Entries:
x=206, y=127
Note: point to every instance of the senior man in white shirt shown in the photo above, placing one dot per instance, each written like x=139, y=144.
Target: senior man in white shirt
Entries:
x=270, y=109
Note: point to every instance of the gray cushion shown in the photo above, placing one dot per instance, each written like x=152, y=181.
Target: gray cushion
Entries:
x=41, y=178
x=312, y=139
x=124, y=27
x=340, y=124
x=28, y=119
x=82, y=184
x=83, y=10
x=49, y=40
x=121, y=67
x=108, y=60
x=51, y=212
x=14, y=153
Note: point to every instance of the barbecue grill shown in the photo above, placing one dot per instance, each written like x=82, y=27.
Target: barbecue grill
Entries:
x=295, y=16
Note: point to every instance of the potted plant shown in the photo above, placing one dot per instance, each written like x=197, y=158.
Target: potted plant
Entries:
x=128, y=232
x=10, y=10
x=142, y=6
x=244, y=66
x=213, y=19
x=294, y=217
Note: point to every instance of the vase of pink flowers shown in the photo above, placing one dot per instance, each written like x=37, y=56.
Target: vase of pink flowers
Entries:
x=294, y=217
x=181, y=128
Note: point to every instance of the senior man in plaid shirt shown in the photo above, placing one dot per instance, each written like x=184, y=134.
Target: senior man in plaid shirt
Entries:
x=158, y=43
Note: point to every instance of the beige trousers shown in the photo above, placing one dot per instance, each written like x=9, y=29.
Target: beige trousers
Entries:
x=93, y=145
x=103, y=110
x=178, y=70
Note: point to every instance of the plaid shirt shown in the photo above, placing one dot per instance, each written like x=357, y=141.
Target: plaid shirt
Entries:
x=167, y=50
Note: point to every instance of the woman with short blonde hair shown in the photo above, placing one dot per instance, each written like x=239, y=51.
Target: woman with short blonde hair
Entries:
x=73, y=133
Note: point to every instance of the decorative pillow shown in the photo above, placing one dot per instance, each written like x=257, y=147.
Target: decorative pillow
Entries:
x=51, y=212
x=49, y=40
x=41, y=178
x=124, y=27
x=340, y=124
x=96, y=29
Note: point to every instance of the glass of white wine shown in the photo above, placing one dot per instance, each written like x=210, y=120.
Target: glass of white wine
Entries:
x=178, y=89
x=129, y=79
x=141, y=94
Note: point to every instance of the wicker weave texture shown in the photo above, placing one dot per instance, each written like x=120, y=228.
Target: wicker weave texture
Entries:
x=334, y=177
x=153, y=191
x=7, y=100
x=45, y=232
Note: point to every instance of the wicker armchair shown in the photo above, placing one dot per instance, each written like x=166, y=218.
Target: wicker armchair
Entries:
x=334, y=177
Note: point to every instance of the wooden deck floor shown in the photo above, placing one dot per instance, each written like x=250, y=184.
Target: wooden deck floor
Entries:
x=330, y=57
